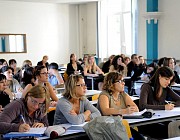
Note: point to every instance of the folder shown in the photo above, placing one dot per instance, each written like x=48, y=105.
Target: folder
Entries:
x=33, y=132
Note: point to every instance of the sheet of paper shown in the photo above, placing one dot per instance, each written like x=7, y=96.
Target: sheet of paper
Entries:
x=32, y=131
x=176, y=109
x=136, y=113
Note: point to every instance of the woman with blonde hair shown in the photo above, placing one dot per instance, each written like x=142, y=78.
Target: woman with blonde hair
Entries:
x=31, y=111
x=92, y=70
x=73, y=107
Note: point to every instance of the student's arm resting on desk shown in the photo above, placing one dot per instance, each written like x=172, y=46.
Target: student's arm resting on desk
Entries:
x=106, y=110
x=88, y=74
x=174, y=96
x=94, y=111
x=146, y=96
x=99, y=70
x=130, y=103
x=65, y=107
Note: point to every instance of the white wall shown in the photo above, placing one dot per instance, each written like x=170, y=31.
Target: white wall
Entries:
x=46, y=26
x=168, y=29
x=88, y=27
x=51, y=29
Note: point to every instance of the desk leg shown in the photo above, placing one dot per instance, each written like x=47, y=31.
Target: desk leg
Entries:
x=92, y=82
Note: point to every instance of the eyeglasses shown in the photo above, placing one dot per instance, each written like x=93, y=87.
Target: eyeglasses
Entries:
x=81, y=85
x=45, y=73
x=120, y=81
x=34, y=102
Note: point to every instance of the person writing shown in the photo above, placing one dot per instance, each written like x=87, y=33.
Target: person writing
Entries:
x=114, y=101
x=74, y=108
x=21, y=114
x=153, y=95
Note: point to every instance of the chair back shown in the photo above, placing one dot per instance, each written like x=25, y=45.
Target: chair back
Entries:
x=65, y=76
x=174, y=129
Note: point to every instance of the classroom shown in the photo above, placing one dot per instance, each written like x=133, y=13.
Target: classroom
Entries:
x=68, y=29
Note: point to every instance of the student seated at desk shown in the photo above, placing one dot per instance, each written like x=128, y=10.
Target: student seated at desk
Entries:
x=21, y=114
x=74, y=67
x=153, y=96
x=74, y=108
x=118, y=65
x=12, y=83
x=113, y=100
x=92, y=70
x=5, y=94
x=41, y=78
x=155, y=93
x=54, y=78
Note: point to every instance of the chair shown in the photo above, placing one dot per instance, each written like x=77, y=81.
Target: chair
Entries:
x=50, y=116
x=126, y=124
x=174, y=129
x=65, y=76
x=95, y=97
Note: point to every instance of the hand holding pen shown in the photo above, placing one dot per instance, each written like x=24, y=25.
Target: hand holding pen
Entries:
x=24, y=127
x=169, y=105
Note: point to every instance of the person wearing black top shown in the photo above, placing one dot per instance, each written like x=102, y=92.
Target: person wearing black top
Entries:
x=4, y=97
x=43, y=62
x=74, y=67
x=107, y=64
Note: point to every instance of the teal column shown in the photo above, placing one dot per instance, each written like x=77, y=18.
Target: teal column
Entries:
x=152, y=33
x=3, y=44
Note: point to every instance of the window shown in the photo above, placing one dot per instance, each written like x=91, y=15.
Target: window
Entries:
x=115, y=28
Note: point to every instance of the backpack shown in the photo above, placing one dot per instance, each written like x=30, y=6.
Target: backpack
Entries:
x=106, y=128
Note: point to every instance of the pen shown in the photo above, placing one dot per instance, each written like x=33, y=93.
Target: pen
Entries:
x=22, y=118
x=168, y=102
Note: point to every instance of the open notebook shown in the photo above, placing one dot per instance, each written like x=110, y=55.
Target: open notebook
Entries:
x=33, y=132
x=39, y=132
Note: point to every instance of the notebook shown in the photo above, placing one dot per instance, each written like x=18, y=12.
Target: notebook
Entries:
x=135, y=115
x=33, y=132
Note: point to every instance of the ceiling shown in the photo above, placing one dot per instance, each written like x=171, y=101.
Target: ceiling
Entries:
x=55, y=1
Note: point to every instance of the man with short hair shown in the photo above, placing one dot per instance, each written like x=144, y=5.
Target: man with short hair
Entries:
x=43, y=62
x=55, y=79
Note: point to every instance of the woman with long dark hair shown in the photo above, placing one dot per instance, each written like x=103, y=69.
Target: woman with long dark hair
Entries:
x=153, y=96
